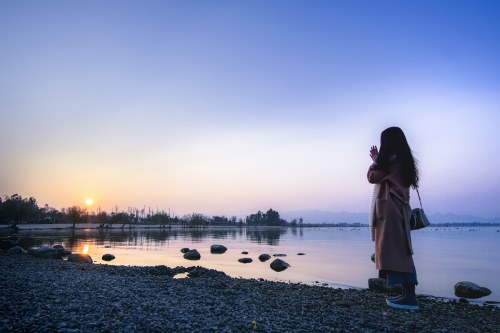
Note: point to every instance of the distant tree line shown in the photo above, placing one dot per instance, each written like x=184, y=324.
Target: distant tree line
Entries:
x=15, y=210
x=336, y=225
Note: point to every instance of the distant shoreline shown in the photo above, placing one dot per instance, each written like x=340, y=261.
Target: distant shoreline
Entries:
x=79, y=226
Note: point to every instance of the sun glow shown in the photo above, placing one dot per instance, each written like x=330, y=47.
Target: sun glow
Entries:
x=85, y=249
x=89, y=201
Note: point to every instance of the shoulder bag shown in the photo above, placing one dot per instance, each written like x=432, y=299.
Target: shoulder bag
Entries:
x=418, y=218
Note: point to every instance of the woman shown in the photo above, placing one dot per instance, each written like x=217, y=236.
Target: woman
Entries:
x=393, y=172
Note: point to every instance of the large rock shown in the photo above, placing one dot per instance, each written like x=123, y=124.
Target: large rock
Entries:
x=378, y=284
x=245, y=260
x=185, y=250
x=192, y=255
x=6, y=243
x=44, y=252
x=264, y=257
x=108, y=257
x=279, y=265
x=218, y=249
x=80, y=257
x=16, y=250
x=468, y=289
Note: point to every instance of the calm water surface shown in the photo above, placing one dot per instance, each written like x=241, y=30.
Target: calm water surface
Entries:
x=333, y=256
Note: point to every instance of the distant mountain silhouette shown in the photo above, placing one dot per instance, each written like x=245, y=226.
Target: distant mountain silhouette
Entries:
x=318, y=216
x=453, y=218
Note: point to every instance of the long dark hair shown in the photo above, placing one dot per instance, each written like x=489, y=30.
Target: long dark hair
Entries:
x=393, y=143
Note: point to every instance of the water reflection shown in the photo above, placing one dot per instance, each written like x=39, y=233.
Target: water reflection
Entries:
x=270, y=236
x=74, y=238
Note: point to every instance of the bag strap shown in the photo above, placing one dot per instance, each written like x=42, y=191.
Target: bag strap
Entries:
x=420, y=200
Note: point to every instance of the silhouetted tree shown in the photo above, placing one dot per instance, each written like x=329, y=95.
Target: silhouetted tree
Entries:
x=220, y=220
x=75, y=214
x=51, y=215
x=195, y=220
x=102, y=218
x=270, y=218
x=121, y=217
x=162, y=219
x=16, y=209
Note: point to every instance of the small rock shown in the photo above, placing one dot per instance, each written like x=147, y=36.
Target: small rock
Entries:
x=245, y=260
x=373, y=257
x=108, y=247
x=80, y=257
x=468, y=289
x=264, y=257
x=192, y=255
x=279, y=265
x=218, y=249
x=279, y=255
x=185, y=250
x=16, y=250
x=301, y=254
x=244, y=252
x=58, y=246
x=108, y=257
x=378, y=284
x=463, y=300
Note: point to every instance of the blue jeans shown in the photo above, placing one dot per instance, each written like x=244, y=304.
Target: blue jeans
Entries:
x=394, y=277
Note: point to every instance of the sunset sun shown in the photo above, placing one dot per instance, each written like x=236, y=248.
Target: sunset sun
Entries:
x=89, y=201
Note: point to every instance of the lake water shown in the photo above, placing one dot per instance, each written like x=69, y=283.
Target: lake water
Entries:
x=333, y=256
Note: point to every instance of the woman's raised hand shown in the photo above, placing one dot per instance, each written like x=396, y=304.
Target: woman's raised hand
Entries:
x=374, y=153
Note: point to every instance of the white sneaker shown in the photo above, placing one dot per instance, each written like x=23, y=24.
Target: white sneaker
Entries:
x=401, y=303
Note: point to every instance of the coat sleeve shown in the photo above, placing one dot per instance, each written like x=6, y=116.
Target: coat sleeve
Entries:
x=376, y=176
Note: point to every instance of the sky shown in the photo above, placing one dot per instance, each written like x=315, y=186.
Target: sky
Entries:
x=230, y=107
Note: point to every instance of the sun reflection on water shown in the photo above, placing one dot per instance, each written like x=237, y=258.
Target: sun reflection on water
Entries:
x=85, y=249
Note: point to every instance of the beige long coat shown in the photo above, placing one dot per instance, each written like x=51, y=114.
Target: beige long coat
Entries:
x=393, y=249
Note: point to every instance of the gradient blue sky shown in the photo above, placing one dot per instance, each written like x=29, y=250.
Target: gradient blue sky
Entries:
x=228, y=107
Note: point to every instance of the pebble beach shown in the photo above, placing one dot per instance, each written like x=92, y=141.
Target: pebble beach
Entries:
x=49, y=295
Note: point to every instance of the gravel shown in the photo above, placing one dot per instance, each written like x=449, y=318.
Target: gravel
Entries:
x=49, y=295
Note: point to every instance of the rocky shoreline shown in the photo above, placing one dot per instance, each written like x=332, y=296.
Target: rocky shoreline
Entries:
x=47, y=295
